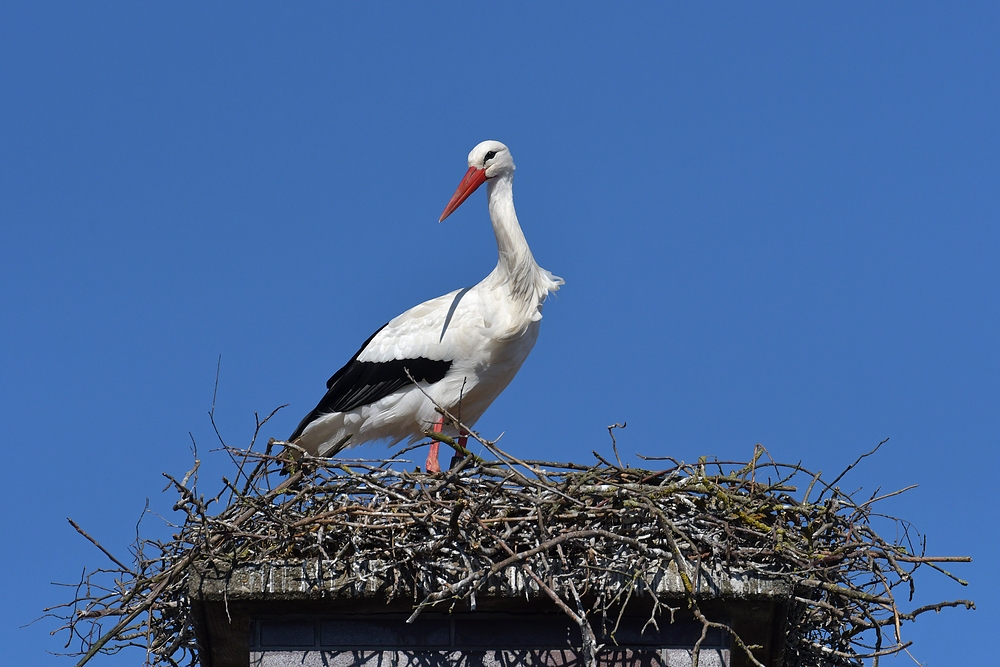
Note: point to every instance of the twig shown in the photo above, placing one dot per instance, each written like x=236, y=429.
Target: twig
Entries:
x=593, y=539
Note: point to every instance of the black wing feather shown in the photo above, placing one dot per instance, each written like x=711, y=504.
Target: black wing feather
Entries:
x=362, y=382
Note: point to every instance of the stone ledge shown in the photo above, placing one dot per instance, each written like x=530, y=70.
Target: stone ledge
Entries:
x=373, y=580
x=230, y=607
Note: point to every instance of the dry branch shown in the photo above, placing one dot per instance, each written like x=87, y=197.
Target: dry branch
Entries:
x=591, y=538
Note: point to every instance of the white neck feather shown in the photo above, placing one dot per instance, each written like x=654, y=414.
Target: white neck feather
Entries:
x=527, y=284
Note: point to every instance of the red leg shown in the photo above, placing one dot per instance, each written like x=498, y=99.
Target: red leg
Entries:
x=432, y=464
x=463, y=438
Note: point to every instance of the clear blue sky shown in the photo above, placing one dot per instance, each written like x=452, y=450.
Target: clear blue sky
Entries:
x=776, y=224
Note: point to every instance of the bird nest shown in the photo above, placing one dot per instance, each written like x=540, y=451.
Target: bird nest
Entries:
x=589, y=537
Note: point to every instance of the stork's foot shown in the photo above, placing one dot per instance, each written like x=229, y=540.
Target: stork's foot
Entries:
x=432, y=464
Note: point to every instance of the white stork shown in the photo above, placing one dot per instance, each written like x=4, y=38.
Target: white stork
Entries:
x=462, y=349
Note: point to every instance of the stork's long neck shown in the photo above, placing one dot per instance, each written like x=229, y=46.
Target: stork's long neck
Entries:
x=515, y=255
x=525, y=283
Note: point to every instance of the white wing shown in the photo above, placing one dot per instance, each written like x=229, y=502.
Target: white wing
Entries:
x=446, y=328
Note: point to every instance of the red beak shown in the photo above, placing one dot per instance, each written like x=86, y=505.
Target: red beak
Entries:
x=473, y=179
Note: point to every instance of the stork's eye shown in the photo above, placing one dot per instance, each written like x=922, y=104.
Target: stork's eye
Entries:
x=490, y=155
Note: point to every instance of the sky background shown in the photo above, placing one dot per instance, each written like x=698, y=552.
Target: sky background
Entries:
x=777, y=225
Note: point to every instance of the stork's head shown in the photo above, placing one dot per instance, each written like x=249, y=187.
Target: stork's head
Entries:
x=489, y=159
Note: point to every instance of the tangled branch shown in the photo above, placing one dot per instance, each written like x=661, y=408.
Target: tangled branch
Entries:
x=590, y=537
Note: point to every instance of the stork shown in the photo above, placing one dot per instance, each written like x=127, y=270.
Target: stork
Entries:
x=458, y=351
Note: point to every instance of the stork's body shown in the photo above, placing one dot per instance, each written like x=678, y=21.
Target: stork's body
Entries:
x=462, y=349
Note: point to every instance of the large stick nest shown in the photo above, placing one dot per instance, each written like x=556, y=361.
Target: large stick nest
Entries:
x=591, y=538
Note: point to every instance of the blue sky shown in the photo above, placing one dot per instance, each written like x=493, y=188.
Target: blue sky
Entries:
x=776, y=224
